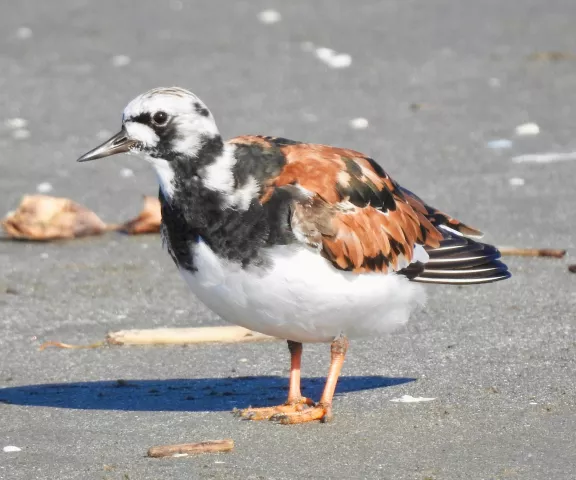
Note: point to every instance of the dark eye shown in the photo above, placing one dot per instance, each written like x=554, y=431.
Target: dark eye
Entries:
x=160, y=118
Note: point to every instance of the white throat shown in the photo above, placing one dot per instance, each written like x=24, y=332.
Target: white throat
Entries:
x=165, y=175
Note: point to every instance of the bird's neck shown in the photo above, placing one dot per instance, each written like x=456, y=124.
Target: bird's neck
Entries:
x=193, y=194
x=213, y=199
x=176, y=170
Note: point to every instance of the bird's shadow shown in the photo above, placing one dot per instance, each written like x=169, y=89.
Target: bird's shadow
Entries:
x=189, y=395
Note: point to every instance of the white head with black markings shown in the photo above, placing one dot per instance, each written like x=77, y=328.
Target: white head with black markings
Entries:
x=163, y=125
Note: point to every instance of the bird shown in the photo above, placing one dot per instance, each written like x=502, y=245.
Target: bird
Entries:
x=306, y=242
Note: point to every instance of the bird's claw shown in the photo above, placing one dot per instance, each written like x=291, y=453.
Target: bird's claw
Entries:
x=266, y=413
x=323, y=413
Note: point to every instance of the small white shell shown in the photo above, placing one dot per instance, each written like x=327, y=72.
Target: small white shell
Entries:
x=411, y=399
x=359, y=123
x=269, y=16
x=11, y=448
x=527, y=129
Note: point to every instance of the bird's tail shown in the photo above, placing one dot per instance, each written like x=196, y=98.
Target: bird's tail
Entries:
x=459, y=261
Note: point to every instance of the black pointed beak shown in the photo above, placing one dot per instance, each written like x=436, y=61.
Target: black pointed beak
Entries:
x=119, y=143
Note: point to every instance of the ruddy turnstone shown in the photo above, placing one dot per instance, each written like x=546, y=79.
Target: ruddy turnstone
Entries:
x=305, y=242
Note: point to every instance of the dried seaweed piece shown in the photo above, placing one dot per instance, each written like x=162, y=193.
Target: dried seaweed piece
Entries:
x=43, y=218
x=185, y=449
x=148, y=221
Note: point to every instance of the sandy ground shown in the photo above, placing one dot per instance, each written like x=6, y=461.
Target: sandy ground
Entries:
x=437, y=81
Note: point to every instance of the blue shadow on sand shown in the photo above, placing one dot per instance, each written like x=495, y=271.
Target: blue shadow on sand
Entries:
x=186, y=395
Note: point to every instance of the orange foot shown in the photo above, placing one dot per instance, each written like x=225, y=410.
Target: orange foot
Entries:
x=265, y=413
x=318, y=412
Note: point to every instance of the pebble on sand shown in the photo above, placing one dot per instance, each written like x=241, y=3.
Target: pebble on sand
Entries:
x=332, y=58
x=545, y=157
x=11, y=448
x=500, y=144
x=358, y=123
x=516, y=182
x=527, y=129
x=44, y=187
x=411, y=399
x=269, y=16
x=16, y=123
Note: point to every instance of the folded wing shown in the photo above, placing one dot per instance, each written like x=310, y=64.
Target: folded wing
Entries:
x=348, y=208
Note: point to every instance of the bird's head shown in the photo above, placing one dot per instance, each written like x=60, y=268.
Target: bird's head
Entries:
x=163, y=125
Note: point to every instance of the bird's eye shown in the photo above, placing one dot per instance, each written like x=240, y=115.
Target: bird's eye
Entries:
x=160, y=118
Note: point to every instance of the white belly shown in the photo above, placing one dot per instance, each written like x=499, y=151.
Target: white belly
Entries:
x=300, y=296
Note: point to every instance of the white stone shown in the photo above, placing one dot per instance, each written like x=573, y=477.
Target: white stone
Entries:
x=545, y=157
x=269, y=16
x=342, y=60
x=528, y=129
x=324, y=53
x=16, y=123
x=516, y=182
x=11, y=448
x=332, y=58
x=44, y=187
x=411, y=399
x=500, y=144
x=358, y=123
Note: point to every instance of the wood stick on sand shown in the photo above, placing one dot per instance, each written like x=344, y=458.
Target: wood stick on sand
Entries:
x=51, y=343
x=172, y=336
x=185, y=449
x=532, y=252
x=185, y=336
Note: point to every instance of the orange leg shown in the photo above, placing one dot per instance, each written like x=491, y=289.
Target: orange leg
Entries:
x=323, y=409
x=295, y=402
